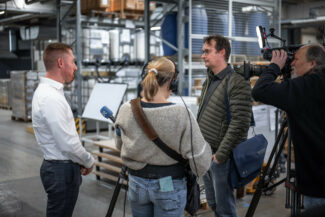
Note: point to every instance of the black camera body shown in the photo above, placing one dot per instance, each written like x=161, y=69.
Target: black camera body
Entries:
x=291, y=50
x=256, y=70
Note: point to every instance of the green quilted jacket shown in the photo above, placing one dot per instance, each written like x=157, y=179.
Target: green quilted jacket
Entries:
x=223, y=138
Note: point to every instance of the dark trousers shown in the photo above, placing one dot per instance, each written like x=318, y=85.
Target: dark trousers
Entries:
x=61, y=182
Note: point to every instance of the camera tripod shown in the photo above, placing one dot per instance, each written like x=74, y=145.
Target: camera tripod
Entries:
x=265, y=184
x=122, y=176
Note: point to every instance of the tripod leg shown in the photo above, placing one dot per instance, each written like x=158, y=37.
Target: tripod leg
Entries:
x=261, y=183
x=298, y=203
x=296, y=209
x=277, y=156
x=289, y=195
x=116, y=192
x=293, y=204
x=292, y=194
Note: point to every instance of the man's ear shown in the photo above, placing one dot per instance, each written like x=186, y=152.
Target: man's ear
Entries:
x=60, y=62
x=313, y=64
x=222, y=52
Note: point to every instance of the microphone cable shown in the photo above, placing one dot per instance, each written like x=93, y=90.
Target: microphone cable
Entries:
x=126, y=190
x=192, y=149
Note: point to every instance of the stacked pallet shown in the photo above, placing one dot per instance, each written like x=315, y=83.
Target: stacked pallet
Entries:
x=23, y=85
x=132, y=9
x=5, y=94
x=109, y=163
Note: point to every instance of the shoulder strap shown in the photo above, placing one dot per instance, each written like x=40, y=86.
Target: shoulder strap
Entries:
x=145, y=125
x=142, y=120
x=227, y=99
x=252, y=123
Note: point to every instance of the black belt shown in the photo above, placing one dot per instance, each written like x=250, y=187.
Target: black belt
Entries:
x=60, y=161
x=176, y=171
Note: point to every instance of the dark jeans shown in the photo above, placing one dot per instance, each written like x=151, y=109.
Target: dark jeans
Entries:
x=61, y=182
x=311, y=202
x=219, y=193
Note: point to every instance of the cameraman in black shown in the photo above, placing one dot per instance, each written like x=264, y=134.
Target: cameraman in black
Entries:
x=303, y=100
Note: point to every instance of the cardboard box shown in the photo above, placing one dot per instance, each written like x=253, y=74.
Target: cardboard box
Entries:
x=140, y=5
x=119, y=5
x=87, y=5
x=198, y=82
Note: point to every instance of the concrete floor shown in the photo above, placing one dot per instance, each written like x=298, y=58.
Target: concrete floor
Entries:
x=22, y=194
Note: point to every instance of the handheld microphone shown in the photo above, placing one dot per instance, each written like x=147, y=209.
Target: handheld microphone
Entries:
x=108, y=114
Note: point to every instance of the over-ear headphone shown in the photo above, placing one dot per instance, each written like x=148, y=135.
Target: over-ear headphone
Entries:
x=174, y=82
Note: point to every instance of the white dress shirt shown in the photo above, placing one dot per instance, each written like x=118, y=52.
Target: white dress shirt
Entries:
x=54, y=125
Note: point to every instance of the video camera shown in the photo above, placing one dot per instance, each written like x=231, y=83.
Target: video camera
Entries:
x=256, y=70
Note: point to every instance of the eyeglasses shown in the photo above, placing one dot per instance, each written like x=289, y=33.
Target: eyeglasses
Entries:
x=206, y=51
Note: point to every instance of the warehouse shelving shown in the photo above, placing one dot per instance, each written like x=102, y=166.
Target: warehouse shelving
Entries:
x=229, y=7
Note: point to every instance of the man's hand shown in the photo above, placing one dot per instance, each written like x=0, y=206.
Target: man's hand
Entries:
x=215, y=159
x=279, y=57
x=85, y=171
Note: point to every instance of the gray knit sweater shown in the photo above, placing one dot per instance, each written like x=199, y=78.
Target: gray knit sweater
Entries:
x=173, y=126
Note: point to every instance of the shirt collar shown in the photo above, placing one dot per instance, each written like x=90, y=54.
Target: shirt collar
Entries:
x=221, y=74
x=52, y=83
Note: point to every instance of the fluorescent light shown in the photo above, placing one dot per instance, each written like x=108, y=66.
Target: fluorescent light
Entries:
x=260, y=36
x=154, y=28
x=2, y=12
x=249, y=8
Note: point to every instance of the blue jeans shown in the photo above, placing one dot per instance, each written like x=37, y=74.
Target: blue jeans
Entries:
x=61, y=182
x=310, y=202
x=147, y=200
x=220, y=195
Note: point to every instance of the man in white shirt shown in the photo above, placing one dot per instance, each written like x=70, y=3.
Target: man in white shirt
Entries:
x=65, y=159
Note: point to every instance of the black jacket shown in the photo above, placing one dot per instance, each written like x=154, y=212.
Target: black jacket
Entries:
x=303, y=99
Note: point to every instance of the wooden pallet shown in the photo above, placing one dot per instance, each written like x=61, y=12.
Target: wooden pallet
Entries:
x=109, y=163
x=5, y=107
x=14, y=118
x=124, y=14
x=108, y=156
x=130, y=14
x=107, y=144
x=102, y=13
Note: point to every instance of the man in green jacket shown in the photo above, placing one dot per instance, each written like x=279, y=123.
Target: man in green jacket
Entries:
x=222, y=133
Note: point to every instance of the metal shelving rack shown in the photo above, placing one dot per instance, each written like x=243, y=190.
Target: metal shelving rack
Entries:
x=63, y=9
x=191, y=66
x=180, y=4
x=230, y=5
